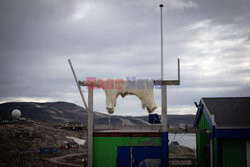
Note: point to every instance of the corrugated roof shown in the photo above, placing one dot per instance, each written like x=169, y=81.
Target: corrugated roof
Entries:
x=229, y=112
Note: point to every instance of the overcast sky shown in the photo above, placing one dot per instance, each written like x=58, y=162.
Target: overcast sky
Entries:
x=119, y=39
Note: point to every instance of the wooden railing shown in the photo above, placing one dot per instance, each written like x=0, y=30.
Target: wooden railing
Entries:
x=192, y=160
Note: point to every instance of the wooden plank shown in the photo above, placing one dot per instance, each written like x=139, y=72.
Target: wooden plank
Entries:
x=90, y=127
x=127, y=127
x=183, y=159
x=179, y=73
x=156, y=82
x=166, y=82
x=127, y=134
x=142, y=128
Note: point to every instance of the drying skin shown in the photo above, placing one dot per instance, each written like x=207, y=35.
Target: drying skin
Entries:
x=143, y=89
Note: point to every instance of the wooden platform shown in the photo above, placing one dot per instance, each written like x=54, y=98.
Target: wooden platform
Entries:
x=141, y=128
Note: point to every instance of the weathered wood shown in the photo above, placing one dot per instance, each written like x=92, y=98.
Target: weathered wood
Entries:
x=179, y=160
x=143, y=128
x=90, y=127
x=169, y=82
x=164, y=108
x=89, y=109
x=127, y=127
x=182, y=165
x=77, y=83
x=156, y=82
x=166, y=82
x=81, y=83
x=183, y=159
x=193, y=160
x=159, y=128
x=211, y=152
x=179, y=73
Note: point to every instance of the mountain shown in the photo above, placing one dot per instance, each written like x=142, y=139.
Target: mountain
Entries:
x=69, y=112
x=52, y=112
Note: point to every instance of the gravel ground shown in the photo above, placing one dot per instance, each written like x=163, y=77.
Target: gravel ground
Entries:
x=29, y=137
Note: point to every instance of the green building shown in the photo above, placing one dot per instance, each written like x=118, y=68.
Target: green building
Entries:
x=224, y=139
x=127, y=149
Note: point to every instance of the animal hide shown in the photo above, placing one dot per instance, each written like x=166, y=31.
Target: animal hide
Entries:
x=143, y=89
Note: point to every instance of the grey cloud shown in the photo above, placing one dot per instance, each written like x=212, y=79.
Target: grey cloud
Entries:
x=119, y=39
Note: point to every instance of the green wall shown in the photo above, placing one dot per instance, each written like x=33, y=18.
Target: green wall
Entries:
x=105, y=148
x=233, y=150
x=234, y=153
x=202, y=143
x=203, y=124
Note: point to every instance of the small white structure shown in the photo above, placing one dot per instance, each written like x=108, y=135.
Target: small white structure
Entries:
x=16, y=114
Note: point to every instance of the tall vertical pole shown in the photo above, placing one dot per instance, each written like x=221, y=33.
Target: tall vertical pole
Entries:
x=161, y=6
x=163, y=90
x=163, y=106
x=90, y=126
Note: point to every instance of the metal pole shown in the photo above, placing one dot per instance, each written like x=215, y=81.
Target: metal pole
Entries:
x=164, y=87
x=161, y=6
x=164, y=106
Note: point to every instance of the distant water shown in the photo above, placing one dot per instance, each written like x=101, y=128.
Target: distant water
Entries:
x=184, y=139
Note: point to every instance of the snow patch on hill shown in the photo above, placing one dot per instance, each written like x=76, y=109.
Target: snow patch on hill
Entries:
x=77, y=140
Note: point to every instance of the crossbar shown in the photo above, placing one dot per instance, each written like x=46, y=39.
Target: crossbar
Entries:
x=143, y=128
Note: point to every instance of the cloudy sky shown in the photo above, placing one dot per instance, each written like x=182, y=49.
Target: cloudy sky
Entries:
x=119, y=39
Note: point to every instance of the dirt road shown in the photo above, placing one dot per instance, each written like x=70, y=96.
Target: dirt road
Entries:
x=58, y=160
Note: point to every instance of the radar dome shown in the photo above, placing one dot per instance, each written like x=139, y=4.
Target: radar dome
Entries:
x=16, y=114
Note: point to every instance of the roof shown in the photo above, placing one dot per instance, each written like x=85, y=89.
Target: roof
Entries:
x=229, y=112
x=228, y=117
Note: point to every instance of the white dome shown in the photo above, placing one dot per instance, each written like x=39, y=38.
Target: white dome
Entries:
x=16, y=114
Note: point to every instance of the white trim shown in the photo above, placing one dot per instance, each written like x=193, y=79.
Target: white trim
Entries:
x=208, y=112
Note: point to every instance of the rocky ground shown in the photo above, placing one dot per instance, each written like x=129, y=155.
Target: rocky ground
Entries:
x=180, y=155
x=20, y=143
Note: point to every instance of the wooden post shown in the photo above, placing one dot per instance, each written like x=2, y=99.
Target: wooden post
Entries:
x=164, y=127
x=77, y=84
x=90, y=110
x=90, y=126
x=211, y=152
x=179, y=73
x=164, y=108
